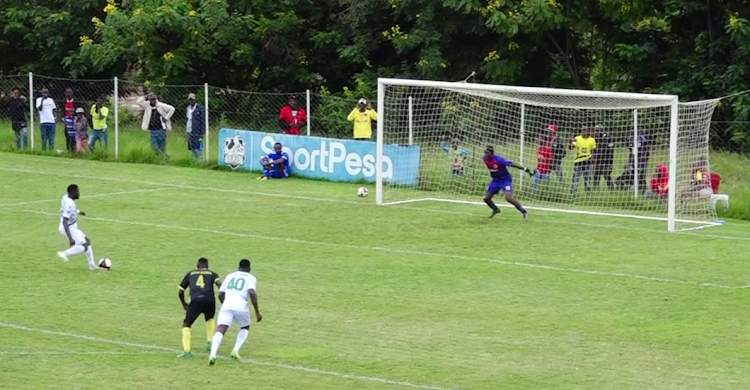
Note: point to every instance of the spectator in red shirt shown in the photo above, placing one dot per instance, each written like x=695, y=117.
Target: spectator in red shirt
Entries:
x=543, y=161
x=70, y=106
x=659, y=183
x=700, y=181
x=292, y=117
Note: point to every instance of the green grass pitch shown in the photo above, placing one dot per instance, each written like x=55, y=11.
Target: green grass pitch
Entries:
x=354, y=296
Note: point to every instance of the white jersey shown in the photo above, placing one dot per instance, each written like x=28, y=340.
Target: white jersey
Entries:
x=69, y=210
x=236, y=288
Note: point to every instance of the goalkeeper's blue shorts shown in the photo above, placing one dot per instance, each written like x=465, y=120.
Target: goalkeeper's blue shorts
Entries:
x=497, y=186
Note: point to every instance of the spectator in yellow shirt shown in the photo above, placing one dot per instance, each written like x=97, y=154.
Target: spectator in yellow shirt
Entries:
x=99, y=115
x=584, y=145
x=362, y=115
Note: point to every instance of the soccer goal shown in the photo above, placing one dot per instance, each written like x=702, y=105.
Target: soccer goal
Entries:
x=431, y=138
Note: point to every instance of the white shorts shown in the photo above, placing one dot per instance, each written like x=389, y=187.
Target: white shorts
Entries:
x=78, y=236
x=705, y=193
x=241, y=317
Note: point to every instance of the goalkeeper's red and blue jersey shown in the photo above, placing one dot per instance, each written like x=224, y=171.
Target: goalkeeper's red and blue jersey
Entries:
x=498, y=167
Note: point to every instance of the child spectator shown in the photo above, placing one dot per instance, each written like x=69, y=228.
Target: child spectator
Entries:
x=81, y=126
x=543, y=161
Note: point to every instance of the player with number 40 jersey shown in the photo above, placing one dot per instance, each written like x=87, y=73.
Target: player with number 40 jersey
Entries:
x=234, y=294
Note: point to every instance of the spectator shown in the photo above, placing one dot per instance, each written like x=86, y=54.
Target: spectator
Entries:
x=456, y=154
x=292, y=117
x=69, y=122
x=584, y=145
x=81, y=125
x=603, y=158
x=644, y=151
x=362, y=115
x=543, y=160
x=700, y=181
x=17, y=107
x=46, y=107
x=275, y=165
x=99, y=114
x=70, y=112
x=558, y=153
x=659, y=183
x=156, y=120
x=196, y=126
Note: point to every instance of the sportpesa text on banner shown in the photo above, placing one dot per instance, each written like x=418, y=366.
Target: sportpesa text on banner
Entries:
x=320, y=158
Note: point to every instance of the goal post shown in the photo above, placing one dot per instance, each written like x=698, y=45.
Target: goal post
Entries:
x=648, y=148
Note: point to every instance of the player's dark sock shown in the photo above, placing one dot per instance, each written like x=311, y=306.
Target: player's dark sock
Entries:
x=520, y=208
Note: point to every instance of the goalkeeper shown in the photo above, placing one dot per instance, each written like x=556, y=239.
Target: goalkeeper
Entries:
x=502, y=180
x=457, y=156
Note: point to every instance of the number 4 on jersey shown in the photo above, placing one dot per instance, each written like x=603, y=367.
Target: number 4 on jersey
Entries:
x=200, y=282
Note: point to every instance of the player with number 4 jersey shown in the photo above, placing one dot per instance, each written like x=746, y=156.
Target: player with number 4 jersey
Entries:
x=234, y=294
x=502, y=181
x=201, y=283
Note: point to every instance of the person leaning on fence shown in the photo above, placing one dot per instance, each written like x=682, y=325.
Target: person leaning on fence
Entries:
x=292, y=117
x=362, y=115
x=99, y=114
x=156, y=120
x=81, y=126
x=196, y=126
x=17, y=109
x=46, y=107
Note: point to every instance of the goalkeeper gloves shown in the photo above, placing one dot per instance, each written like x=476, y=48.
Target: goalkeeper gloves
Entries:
x=531, y=172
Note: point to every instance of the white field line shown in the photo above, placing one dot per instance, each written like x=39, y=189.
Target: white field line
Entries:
x=84, y=197
x=402, y=251
x=246, y=361
x=315, y=199
x=69, y=353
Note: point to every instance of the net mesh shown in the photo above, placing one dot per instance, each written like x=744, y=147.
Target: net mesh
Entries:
x=625, y=176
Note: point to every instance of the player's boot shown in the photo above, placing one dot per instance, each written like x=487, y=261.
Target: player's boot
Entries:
x=235, y=356
x=526, y=217
x=494, y=212
x=211, y=361
x=62, y=256
x=185, y=355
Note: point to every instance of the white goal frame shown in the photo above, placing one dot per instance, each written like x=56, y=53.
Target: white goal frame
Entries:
x=671, y=101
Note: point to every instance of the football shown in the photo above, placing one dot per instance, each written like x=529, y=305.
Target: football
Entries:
x=105, y=263
x=362, y=191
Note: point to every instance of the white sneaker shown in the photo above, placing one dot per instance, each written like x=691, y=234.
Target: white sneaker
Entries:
x=62, y=256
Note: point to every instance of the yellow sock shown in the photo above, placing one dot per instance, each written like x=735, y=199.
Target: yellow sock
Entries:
x=210, y=329
x=186, y=339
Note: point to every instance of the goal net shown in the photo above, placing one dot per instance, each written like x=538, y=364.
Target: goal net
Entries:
x=650, y=161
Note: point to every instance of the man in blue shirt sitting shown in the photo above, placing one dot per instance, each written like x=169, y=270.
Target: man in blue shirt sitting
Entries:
x=275, y=165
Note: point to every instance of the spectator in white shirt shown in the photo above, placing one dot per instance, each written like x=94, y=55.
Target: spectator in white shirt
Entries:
x=46, y=107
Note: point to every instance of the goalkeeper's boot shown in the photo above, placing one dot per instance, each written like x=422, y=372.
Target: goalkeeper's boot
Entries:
x=496, y=211
x=235, y=356
x=526, y=217
x=185, y=355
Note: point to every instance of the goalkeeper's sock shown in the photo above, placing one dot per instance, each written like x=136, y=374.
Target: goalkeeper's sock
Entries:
x=210, y=329
x=186, y=339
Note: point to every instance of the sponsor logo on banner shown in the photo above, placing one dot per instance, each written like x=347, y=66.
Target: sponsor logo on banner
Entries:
x=330, y=157
x=234, y=152
x=321, y=158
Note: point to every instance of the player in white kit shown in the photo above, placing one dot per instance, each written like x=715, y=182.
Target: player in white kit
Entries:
x=78, y=241
x=233, y=294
